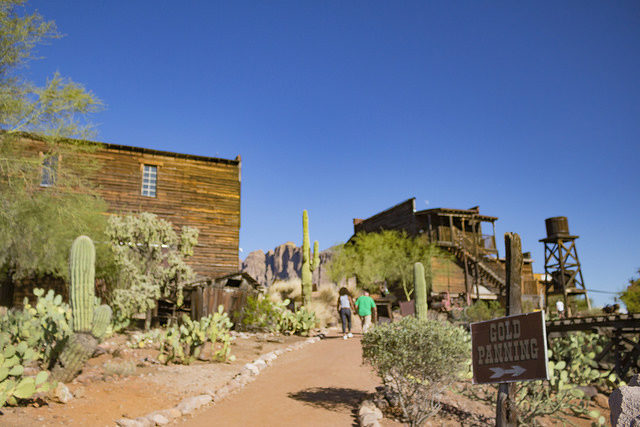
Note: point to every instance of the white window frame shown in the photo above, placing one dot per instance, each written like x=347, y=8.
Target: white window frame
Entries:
x=149, y=187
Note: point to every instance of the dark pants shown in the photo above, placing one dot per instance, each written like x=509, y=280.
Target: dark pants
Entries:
x=345, y=316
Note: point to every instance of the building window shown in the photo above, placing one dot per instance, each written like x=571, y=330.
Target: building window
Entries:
x=49, y=171
x=149, y=180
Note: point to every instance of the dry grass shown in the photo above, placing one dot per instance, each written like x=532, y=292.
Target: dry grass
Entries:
x=326, y=315
x=281, y=290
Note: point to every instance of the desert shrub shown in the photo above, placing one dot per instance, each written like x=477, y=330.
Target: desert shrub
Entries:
x=183, y=343
x=481, y=310
x=325, y=314
x=285, y=290
x=327, y=295
x=121, y=368
x=41, y=326
x=419, y=360
x=259, y=314
x=262, y=314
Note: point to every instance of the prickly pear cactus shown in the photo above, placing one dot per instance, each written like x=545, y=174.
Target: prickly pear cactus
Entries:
x=420, y=285
x=309, y=262
x=89, y=323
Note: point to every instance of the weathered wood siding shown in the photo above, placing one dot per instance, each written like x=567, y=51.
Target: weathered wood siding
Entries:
x=195, y=191
x=399, y=217
x=448, y=276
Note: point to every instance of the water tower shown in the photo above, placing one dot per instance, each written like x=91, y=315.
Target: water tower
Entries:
x=561, y=265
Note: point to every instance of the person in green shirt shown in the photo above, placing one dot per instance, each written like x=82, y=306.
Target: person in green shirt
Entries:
x=366, y=309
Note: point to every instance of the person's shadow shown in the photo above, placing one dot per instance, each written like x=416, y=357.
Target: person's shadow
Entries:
x=332, y=399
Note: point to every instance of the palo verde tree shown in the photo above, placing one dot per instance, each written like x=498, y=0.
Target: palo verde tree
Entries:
x=47, y=199
x=387, y=256
x=150, y=257
x=631, y=295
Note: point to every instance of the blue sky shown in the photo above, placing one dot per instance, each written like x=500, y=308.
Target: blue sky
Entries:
x=528, y=109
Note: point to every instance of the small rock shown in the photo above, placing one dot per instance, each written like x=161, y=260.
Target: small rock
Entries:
x=368, y=407
x=270, y=357
x=275, y=339
x=369, y=420
x=260, y=364
x=157, y=419
x=221, y=393
x=634, y=381
x=251, y=369
x=145, y=422
x=80, y=392
x=189, y=405
x=62, y=394
x=126, y=422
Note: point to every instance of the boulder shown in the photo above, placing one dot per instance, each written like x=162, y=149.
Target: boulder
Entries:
x=624, y=403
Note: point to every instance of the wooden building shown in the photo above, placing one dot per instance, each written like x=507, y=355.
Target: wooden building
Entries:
x=475, y=269
x=197, y=191
x=185, y=189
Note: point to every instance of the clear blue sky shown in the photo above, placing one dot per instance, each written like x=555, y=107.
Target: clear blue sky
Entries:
x=345, y=108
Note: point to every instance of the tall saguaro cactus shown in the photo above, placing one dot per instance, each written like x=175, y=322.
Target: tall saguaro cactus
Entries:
x=89, y=322
x=420, y=285
x=309, y=262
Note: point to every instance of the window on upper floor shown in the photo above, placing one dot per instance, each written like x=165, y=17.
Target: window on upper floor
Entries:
x=149, y=180
x=49, y=171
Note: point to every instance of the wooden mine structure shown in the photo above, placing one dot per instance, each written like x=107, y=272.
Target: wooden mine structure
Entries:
x=563, y=274
x=475, y=267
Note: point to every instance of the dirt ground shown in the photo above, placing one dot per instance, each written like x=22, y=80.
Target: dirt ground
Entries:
x=101, y=398
x=319, y=384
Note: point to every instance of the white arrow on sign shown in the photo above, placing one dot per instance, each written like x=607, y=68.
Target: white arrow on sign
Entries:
x=515, y=371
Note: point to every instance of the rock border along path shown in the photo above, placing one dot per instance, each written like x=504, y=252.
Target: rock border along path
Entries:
x=189, y=405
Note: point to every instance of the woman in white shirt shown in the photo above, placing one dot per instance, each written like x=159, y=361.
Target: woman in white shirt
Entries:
x=345, y=307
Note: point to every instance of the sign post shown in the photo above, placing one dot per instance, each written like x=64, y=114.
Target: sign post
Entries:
x=512, y=348
x=509, y=349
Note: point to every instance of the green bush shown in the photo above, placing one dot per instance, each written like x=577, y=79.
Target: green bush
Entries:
x=419, y=360
x=184, y=343
x=262, y=314
x=481, y=310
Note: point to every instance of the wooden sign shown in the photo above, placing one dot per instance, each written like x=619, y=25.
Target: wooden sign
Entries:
x=509, y=349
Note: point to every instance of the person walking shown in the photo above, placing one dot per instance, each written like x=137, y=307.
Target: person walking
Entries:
x=345, y=307
x=366, y=309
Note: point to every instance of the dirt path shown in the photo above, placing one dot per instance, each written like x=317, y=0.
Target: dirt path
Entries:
x=320, y=385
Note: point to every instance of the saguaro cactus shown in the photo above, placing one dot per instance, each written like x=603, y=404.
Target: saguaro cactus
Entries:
x=309, y=262
x=420, y=285
x=89, y=322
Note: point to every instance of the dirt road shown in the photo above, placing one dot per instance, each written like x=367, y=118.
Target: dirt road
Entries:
x=320, y=385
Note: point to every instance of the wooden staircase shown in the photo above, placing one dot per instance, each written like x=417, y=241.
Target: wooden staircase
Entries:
x=489, y=271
